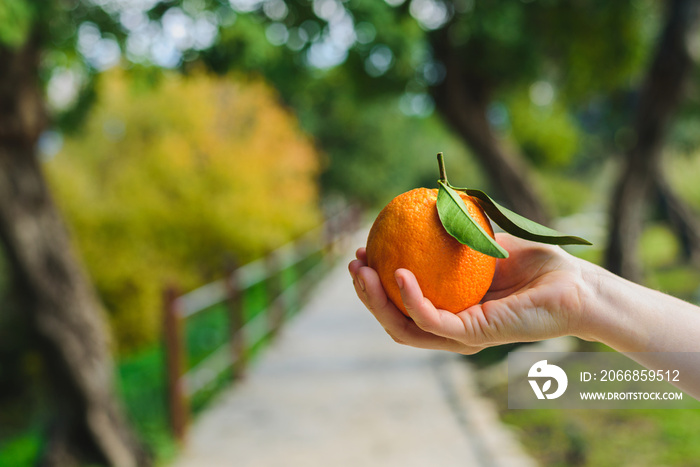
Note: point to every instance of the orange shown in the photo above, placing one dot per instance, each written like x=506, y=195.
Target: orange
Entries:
x=408, y=234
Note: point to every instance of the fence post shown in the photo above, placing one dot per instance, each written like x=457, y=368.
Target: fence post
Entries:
x=234, y=298
x=174, y=358
x=301, y=272
x=329, y=240
x=275, y=309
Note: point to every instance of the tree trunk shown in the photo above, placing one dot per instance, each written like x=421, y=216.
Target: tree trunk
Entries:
x=462, y=100
x=64, y=311
x=659, y=98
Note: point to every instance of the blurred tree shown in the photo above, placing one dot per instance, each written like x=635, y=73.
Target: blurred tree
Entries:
x=459, y=55
x=374, y=150
x=642, y=173
x=464, y=54
x=88, y=425
x=156, y=194
x=466, y=58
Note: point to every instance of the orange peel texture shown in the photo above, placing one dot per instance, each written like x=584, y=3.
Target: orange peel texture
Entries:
x=408, y=234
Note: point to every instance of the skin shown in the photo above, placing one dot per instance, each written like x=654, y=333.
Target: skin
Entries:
x=541, y=292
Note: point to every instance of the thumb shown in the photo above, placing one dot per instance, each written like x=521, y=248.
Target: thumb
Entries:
x=516, y=318
x=423, y=312
x=411, y=295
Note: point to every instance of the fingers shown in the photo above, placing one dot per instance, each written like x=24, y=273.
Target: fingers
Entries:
x=354, y=268
x=514, y=318
x=372, y=294
x=495, y=293
x=507, y=313
x=432, y=320
x=401, y=329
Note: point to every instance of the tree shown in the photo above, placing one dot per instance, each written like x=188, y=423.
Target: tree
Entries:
x=465, y=55
x=642, y=173
x=88, y=425
x=463, y=99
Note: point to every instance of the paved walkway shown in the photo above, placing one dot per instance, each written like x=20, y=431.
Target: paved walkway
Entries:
x=335, y=390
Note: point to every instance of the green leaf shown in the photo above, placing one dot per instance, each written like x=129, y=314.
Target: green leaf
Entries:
x=458, y=223
x=520, y=226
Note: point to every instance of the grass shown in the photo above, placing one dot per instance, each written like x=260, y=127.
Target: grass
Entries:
x=21, y=450
x=608, y=437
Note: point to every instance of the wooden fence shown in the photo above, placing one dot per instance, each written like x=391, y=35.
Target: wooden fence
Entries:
x=326, y=240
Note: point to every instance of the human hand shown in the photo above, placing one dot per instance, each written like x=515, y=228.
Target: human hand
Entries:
x=537, y=293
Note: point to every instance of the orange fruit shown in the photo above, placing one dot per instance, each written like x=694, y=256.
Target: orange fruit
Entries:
x=408, y=234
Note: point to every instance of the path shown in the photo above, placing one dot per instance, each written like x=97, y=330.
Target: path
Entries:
x=335, y=390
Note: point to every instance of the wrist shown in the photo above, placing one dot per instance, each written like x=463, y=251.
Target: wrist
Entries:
x=612, y=308
x=589, y=286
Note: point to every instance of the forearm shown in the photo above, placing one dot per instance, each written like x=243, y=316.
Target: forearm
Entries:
x=631, y=318
x=656, y=330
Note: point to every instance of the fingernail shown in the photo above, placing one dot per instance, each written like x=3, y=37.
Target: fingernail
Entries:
x=362, y=284
x=399, y=281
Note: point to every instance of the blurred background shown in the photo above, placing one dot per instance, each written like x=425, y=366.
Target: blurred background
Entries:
x=154, y=145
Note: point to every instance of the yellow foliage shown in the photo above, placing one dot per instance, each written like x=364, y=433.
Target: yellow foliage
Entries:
x=163, y=183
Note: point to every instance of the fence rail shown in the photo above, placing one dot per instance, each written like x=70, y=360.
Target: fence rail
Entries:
x=244, y=334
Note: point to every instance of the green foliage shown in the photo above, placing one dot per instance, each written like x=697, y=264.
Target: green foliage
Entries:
x=508, y=46
x=547, y=134
x=22, y=450
x=142, y=388
x=163, y=183
x=374, y=150
x=15, y=22
x=565, y=194
x=658, y=246
x=243, y=47
x=682, y=281
x=599, y=46
x=661, y=255
x=583, y=49
x=587, y=46
x=682, y=169
x=377, y=153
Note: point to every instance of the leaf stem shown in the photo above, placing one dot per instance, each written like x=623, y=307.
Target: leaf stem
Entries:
x=441, y=166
